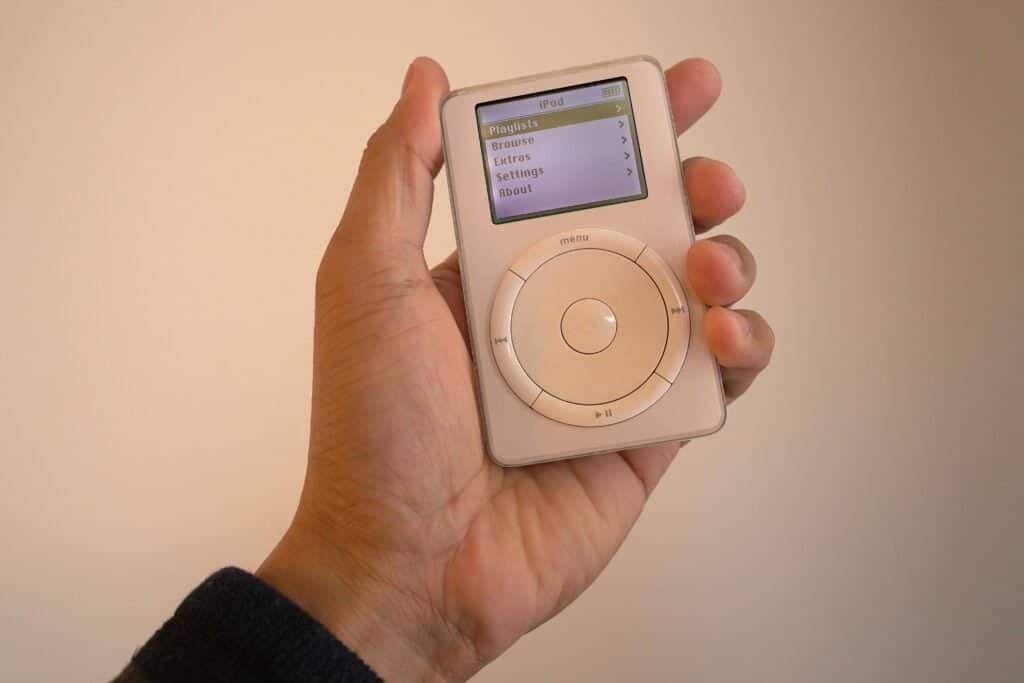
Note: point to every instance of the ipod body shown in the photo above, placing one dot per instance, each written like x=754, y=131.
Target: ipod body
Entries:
x=572, y=226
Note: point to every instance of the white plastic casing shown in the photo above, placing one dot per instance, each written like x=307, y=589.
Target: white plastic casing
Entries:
x=685, y=405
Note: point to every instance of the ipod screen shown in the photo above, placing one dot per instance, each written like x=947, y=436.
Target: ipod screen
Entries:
x=560, y=150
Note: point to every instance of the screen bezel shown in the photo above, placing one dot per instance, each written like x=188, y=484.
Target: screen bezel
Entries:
x=631, y=117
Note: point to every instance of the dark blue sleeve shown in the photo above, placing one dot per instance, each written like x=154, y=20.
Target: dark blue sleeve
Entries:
x=234, y=628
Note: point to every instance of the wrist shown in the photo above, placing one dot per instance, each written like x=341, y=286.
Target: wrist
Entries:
x=379, y=618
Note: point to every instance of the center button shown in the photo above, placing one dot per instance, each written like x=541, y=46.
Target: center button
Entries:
x=588, y=326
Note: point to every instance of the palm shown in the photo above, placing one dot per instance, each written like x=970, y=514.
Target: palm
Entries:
x=506, y=548
x=532, y=538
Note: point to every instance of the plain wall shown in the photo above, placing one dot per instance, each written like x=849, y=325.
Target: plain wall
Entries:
x=170, y=174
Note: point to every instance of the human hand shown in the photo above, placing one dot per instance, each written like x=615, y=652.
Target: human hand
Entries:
x=409, y=544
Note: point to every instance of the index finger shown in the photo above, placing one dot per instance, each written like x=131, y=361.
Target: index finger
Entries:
x=693, y=86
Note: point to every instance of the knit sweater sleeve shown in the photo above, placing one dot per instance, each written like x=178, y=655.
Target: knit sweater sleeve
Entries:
x=235, y=628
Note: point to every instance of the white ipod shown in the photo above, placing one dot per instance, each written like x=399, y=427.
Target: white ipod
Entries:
x=572, y=226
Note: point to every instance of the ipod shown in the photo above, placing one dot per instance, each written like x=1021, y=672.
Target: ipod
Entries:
x=572, y=225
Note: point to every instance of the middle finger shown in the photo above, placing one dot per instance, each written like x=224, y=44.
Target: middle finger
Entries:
x=721, y=270
x=715, y=192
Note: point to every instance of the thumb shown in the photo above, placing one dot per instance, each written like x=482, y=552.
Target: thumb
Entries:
x=389, y=207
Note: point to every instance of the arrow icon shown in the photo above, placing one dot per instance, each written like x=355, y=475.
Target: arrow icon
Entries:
x=618, y=108
x=621, y=124
x=626, y=154
x=623, y=139
x=629, y=171
x=597, y=414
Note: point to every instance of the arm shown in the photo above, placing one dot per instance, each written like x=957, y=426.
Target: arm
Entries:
x=409, y=545
x=234, y=627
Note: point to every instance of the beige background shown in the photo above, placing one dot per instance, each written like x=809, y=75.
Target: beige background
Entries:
x=169, y=176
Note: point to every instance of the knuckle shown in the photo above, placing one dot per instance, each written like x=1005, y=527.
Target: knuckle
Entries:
x=376, y=136
x=376, y=142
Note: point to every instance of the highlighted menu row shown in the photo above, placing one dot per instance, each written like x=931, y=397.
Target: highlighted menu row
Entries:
x=561, y=151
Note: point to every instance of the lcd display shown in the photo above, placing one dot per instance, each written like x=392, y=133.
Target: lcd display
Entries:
x=560, y=150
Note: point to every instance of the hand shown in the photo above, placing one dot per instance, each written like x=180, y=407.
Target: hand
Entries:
x=409, y=544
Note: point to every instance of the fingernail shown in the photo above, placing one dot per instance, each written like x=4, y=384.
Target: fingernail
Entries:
x=734, y=256
x=746, y=327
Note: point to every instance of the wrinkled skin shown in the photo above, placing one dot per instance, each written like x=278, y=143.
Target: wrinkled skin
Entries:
x=409, y=544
